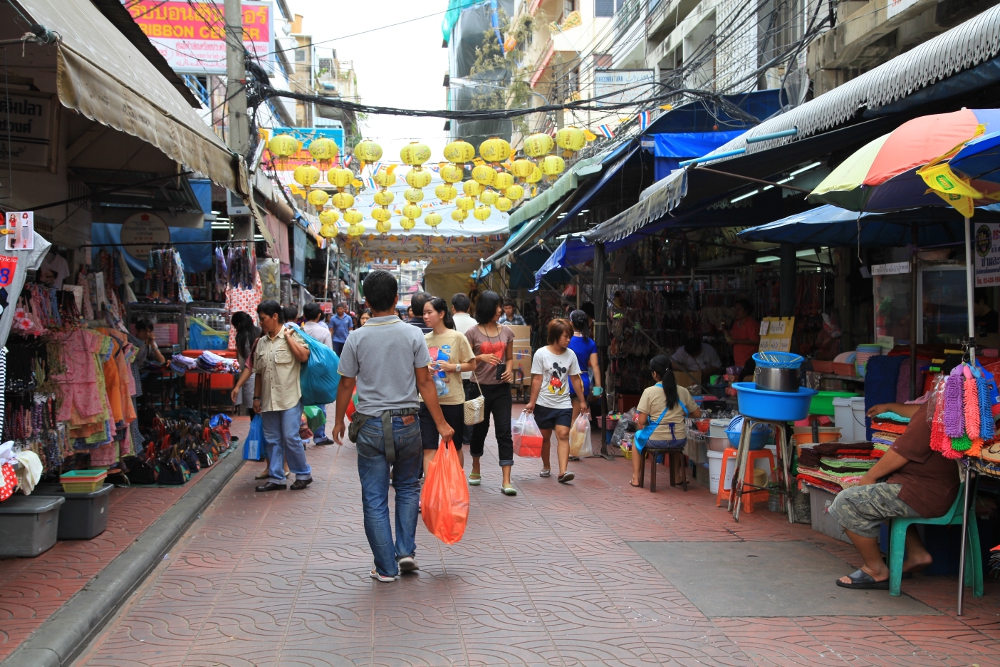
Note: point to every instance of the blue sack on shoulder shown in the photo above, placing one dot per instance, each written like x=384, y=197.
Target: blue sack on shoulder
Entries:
x=320, y=376
x=255, y=447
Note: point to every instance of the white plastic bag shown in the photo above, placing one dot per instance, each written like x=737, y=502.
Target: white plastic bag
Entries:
x=579, y=437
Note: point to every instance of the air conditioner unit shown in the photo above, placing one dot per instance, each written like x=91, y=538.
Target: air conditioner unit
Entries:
x=235, y=204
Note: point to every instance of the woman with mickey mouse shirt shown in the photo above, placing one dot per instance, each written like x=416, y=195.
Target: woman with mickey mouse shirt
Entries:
x=553, y=368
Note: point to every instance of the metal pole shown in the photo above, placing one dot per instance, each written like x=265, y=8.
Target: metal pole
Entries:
x=601, y=338
x=238, y=129
x=970, y=301
x=913, y=314
x=326, y=276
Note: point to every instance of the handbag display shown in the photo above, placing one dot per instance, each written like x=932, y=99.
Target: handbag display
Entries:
x=475, y=408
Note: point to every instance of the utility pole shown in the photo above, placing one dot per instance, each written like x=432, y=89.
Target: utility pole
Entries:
x=238, y=128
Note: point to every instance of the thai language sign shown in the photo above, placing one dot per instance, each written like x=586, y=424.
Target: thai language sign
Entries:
x=192, y=37
x=986, y=240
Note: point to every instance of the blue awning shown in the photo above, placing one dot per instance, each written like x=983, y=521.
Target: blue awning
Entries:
x=832, y=226
x=606, y=175
x=688, y=144
x=704, y=116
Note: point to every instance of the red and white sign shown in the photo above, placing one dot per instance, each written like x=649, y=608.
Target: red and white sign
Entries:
x=20, y=230
x=191, y=35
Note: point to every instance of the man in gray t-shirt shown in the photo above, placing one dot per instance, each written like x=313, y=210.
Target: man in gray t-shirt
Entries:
x=387, y=361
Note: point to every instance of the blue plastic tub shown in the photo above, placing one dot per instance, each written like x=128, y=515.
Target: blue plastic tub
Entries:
x=758, y=438
x=776, y=406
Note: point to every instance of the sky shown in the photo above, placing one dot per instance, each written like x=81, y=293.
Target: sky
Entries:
x=402, y=66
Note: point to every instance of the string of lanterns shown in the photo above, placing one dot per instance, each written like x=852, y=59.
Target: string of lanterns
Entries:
x=496, y=179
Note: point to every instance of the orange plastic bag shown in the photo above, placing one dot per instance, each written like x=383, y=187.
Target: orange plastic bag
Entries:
x=444, y=500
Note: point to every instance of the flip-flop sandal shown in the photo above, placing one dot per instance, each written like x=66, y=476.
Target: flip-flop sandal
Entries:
x=508, y=490
x=574, y=458
x=635, y=485
x=263, y=475
x=475, y=479
x=545, y=473
x=566, y=477
x=861, y=580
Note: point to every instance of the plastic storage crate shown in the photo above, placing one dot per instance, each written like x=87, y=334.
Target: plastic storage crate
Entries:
x=28, y=525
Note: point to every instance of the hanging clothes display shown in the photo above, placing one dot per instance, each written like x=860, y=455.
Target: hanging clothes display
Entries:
x=165, y=270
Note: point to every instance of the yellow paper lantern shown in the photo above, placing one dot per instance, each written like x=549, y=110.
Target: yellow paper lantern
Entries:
x=317, y=198
x=368, y=151
x=489, y=197
x=538, y=145
x=343, y=200
x=446, y=192
x=482, y=213
x=355, y=230
x=381, y=214
x=384, y=198
x=535, y=175
x=514, y=192
x=418, y=178
x=433, y=219
x=522, y=168
x=353, y=216
x=385, y=178
x=306, y=175
x=383, y=226
x=328, y=231
x=471, y=189
x=465, y=203
x=407, y=223
x=451, y=173
x=553, y=165
x=503, y=180
x=328, y=217
x=283, y=146
x=494, y=150
x=412, y=211
x=484, y=174
x=459, y=152
x=323, y=150
x=458, y=215
x=413, y=195
x=340, y=177
x=571, y=139
x=503, y=204
x=415, y=154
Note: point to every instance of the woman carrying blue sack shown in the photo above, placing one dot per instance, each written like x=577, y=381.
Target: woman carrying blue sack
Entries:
x=661, y=412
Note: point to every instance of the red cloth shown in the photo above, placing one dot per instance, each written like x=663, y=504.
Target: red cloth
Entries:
x=746, y=329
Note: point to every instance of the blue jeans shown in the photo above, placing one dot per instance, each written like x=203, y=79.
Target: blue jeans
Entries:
x=281, y=429
x=320, y=433
x=374, y=472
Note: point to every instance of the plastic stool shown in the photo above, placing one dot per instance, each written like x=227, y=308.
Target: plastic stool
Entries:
x=973, y=553
x=730, y=453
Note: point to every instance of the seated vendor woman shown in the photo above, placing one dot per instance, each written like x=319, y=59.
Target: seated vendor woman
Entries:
x=666, y=405
x=910, y=480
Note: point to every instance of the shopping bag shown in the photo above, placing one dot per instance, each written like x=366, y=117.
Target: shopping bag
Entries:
x=315, y=417
x=444, y=500
x=319, y=377
x=255, y=447
x=527, y=437
x=579, y=437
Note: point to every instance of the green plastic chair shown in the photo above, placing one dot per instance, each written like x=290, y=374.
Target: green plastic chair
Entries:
x=973, y=553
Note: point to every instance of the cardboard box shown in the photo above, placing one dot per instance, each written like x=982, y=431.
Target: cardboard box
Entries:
x=521, y=331
x=522, y=360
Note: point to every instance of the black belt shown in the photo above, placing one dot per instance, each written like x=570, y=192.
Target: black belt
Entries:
x=387, y=436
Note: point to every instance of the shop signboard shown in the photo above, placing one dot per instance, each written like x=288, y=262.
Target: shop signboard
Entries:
x=27, y=130
x=20, y=231
x=987, y=255
x=622, y=85
x=141, y=232
x=896, y=7
x=892, y=269
x=190, y=34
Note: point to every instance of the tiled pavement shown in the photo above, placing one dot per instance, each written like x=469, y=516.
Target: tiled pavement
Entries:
x=545, y=578
x=31, y=589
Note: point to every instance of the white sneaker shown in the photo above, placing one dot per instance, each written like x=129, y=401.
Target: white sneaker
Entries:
x=374, y=574
x=408, y=564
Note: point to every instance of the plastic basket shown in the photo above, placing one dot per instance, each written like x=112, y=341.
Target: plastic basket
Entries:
x=778, y=360
x=82, y=481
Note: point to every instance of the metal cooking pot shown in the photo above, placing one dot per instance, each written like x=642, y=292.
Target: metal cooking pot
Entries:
x=777, y=379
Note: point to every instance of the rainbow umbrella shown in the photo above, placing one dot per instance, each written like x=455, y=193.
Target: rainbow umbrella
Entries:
x=969, y=176
x=882, y=176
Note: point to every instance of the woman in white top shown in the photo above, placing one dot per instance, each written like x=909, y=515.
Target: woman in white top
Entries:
x=669, y=404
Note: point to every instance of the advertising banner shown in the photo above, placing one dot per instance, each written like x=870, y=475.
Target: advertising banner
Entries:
x=191, y=35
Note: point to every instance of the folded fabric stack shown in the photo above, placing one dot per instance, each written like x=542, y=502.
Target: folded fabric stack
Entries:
x=181, y=364
x=213, y=363
x=886, y=427
x=834, y=466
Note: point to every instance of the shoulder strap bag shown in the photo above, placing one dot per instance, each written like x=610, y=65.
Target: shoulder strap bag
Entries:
x=475, y=408
x=643, y=436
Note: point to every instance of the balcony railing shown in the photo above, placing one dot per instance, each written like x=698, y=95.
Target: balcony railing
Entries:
x=627, y=15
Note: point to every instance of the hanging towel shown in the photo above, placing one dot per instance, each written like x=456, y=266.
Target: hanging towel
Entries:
x=29, y=472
